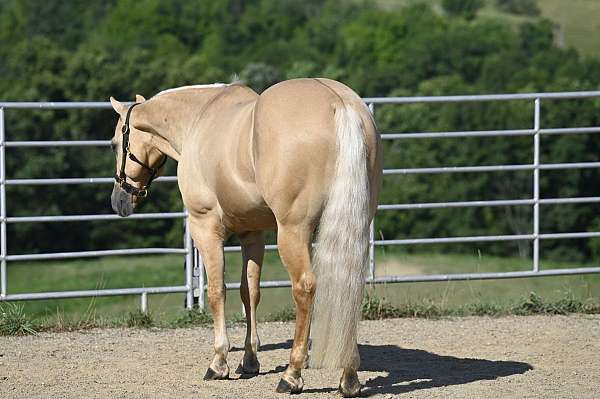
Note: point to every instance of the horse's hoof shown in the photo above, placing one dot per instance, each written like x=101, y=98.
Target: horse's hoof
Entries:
x=350, y=388
x=216, y=375
x=294, y=386
x=249, y=370
x=350, y=393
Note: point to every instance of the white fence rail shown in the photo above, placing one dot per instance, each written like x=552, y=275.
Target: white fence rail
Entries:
x=193, y=278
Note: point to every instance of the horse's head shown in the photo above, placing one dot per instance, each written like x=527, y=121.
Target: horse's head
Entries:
x=138, y=162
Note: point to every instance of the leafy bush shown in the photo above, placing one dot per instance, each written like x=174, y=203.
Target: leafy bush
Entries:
x=464, y=8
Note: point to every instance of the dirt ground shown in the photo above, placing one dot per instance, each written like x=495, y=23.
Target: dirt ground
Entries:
x=478, y=357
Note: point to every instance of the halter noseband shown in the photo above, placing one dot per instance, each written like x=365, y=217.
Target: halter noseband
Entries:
x=121, y=178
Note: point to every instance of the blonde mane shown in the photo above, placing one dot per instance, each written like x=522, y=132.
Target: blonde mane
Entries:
x=205, y=86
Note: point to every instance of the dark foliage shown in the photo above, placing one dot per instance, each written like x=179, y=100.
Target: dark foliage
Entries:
x=128, y=47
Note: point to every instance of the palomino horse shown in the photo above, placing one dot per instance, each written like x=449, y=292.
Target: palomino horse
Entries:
x=303, y=157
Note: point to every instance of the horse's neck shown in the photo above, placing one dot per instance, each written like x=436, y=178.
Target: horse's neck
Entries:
x=165, y=130
x=169, y=121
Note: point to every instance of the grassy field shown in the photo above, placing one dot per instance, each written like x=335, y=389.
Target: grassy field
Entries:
x=168, y=270
x=579, y=20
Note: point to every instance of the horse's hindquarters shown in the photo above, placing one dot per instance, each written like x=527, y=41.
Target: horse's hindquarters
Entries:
x=294, y=149
x=317, y=160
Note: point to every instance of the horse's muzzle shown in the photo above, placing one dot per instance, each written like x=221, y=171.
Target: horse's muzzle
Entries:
x=122, y=202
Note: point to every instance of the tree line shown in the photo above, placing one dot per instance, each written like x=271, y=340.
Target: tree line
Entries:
x=89, y=50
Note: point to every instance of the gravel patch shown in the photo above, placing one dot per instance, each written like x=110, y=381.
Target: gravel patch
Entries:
x=471, y=357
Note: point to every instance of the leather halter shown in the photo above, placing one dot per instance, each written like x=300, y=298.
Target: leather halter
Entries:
x=121, y=178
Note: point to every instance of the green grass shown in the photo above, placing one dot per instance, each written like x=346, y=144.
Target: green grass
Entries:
x=95, y=274
x=579, y=20
x=375, y=308
x=195, y=317
x=14, y=321
x=139, y=319
x=393, y=261
x=276, y=303
x=122, y=272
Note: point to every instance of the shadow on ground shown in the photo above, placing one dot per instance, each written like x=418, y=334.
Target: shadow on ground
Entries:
x=413, y=369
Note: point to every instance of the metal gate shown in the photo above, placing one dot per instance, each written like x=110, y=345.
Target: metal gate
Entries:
x=193, y=278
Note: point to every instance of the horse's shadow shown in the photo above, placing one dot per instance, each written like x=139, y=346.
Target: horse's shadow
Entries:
x=413, y=369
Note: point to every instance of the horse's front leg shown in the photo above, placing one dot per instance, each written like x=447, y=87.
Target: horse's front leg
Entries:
x=253, y=249
x=208, y=236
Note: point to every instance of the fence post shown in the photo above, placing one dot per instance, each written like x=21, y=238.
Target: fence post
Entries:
x=536, y=186
x=3, y=274
x=189, y=262
x=372, y=227
x=144, y=303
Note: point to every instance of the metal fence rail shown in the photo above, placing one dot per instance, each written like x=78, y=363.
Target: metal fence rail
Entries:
x=187, y=250
x=194, y=285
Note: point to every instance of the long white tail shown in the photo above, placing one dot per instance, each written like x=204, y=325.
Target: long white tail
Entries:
x=340, y=256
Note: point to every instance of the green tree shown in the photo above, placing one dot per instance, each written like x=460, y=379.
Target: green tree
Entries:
x=259, y=76
x=144, y=46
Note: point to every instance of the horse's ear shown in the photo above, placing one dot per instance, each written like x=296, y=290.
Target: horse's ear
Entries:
x=139, y=98
x=119, y=107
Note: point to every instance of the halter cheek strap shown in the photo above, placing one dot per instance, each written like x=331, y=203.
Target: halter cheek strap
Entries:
x=121, y=178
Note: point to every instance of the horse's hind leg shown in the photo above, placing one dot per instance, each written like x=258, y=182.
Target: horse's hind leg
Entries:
x=208, y=236
x=294, y=249
x=253, y=249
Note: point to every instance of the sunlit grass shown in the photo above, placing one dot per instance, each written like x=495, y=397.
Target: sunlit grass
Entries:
x=578, y=19
x=168, y=270
x=14, y=321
